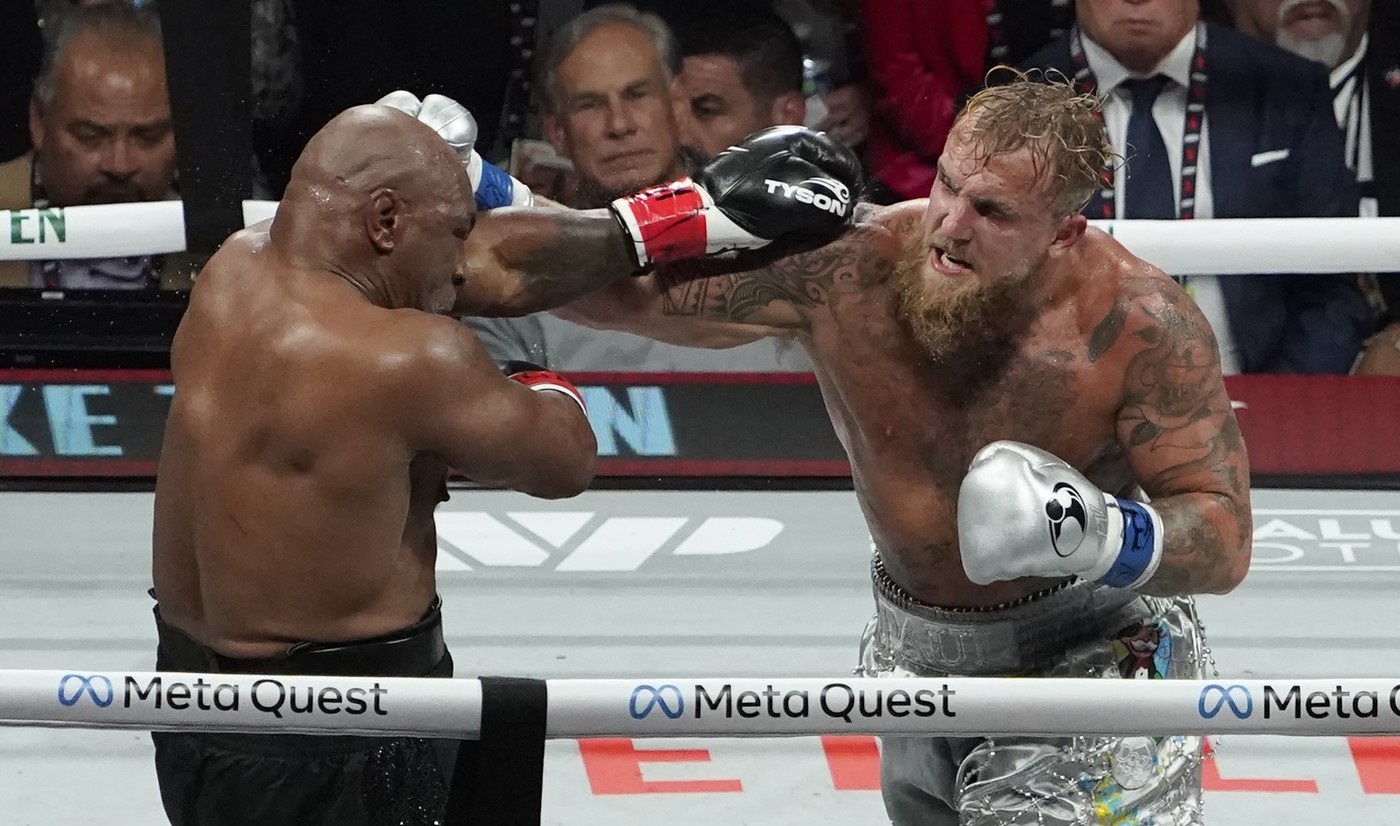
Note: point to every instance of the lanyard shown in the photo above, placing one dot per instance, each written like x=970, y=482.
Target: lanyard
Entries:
x=1353, y=85
x=51, y=273
x=1102, y=205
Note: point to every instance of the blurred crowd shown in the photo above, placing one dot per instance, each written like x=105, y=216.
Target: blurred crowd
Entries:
x=1225, y=109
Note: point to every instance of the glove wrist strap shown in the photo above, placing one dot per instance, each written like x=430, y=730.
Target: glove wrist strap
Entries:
x=666, y=222
x=547, y=380
x=1140, y=551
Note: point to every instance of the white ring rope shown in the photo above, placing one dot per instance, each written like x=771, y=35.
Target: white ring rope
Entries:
x=719, y=707
x=1217, y=246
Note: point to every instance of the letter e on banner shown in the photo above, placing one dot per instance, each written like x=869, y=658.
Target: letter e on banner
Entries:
x=1377, y=763
x=614, y=766
x=854, y=762
x=1211, y=780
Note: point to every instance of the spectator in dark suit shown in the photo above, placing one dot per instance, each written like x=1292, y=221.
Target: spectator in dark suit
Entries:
x=1359, y=44
x=1214, y=124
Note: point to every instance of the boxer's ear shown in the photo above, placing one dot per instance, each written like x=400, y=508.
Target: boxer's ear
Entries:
x=383, y=218
x=1068, y=232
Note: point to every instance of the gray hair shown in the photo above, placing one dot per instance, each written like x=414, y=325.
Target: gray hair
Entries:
x=567, y=37
x=113, y=20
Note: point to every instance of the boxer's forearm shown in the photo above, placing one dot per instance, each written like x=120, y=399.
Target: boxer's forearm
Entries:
x=1205, y=547
x=520, y=261
x=634, y=305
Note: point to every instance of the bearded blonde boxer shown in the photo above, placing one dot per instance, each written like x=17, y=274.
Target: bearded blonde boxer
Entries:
x=1040, y=440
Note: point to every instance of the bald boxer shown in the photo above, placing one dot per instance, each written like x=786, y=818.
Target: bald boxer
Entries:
x=1040, y=440
x=322, y=394
x=320, y=399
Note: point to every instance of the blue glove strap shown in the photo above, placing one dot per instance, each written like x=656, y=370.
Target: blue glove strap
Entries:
x=1139, y=539
x=496, y=188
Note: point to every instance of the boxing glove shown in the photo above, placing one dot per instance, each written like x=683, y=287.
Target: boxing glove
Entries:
x=1024, y=512
x=491, y=186
x=540, y=379
x=780, y=182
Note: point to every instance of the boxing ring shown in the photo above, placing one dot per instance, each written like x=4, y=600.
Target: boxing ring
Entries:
x=710, y=707
x=702, y=682
x=785, y=612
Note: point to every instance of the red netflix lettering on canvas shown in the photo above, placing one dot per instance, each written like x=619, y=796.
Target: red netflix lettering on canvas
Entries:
x=614, y=766
x=854, y=763
x=1211, y=780
x=1377, y=763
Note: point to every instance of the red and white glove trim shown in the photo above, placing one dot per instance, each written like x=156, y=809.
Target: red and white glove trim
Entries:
x=542, y=380
x=677, y=221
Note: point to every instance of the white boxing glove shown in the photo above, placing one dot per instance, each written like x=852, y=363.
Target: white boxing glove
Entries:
x=491, y=186
x=1024, y=512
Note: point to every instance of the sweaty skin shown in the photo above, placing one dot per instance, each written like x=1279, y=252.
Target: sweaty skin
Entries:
x=1116, y=372
x=1118, y=376
x=321, y=397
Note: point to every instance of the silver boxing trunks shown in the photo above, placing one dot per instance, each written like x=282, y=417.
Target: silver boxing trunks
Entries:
x=1077, y=629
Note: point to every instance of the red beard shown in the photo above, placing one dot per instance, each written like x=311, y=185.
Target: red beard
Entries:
x=972, y=328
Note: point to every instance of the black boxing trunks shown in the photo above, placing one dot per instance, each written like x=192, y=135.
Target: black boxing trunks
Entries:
x=215, y=779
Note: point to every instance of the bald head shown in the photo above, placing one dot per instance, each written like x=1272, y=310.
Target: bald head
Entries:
x=378, y=195
x=372, y=146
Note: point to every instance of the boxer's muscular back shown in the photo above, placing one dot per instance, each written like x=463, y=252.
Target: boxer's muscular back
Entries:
x=289, y=504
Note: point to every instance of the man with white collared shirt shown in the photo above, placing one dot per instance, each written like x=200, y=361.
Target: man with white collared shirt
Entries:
x=1360, y=47
x=1215, y=125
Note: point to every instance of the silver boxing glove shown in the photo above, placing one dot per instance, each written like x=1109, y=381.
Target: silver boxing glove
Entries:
x=491, y=186
x=1025, y=512
x=402, y=100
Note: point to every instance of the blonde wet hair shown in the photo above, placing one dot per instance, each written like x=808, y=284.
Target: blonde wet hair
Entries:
x=1044, y=114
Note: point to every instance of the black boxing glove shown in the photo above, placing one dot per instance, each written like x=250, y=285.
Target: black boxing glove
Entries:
x=539, y=379
x=779, y=182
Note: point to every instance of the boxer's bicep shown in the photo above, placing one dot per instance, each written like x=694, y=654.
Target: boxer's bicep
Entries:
x=1179, y=433
x=491, y=429
x=535, y=441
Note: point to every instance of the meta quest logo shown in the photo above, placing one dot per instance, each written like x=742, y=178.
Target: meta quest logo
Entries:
x=1289, y=701
x=1216, y=698
x=836, y=701
x=72, y=688
x=275, y=697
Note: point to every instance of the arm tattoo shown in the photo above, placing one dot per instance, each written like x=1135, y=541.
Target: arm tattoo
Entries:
x=803, y=280
x=1172, y=384
x=1192, y=546
x=1177, y=419
x=1106, y=332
